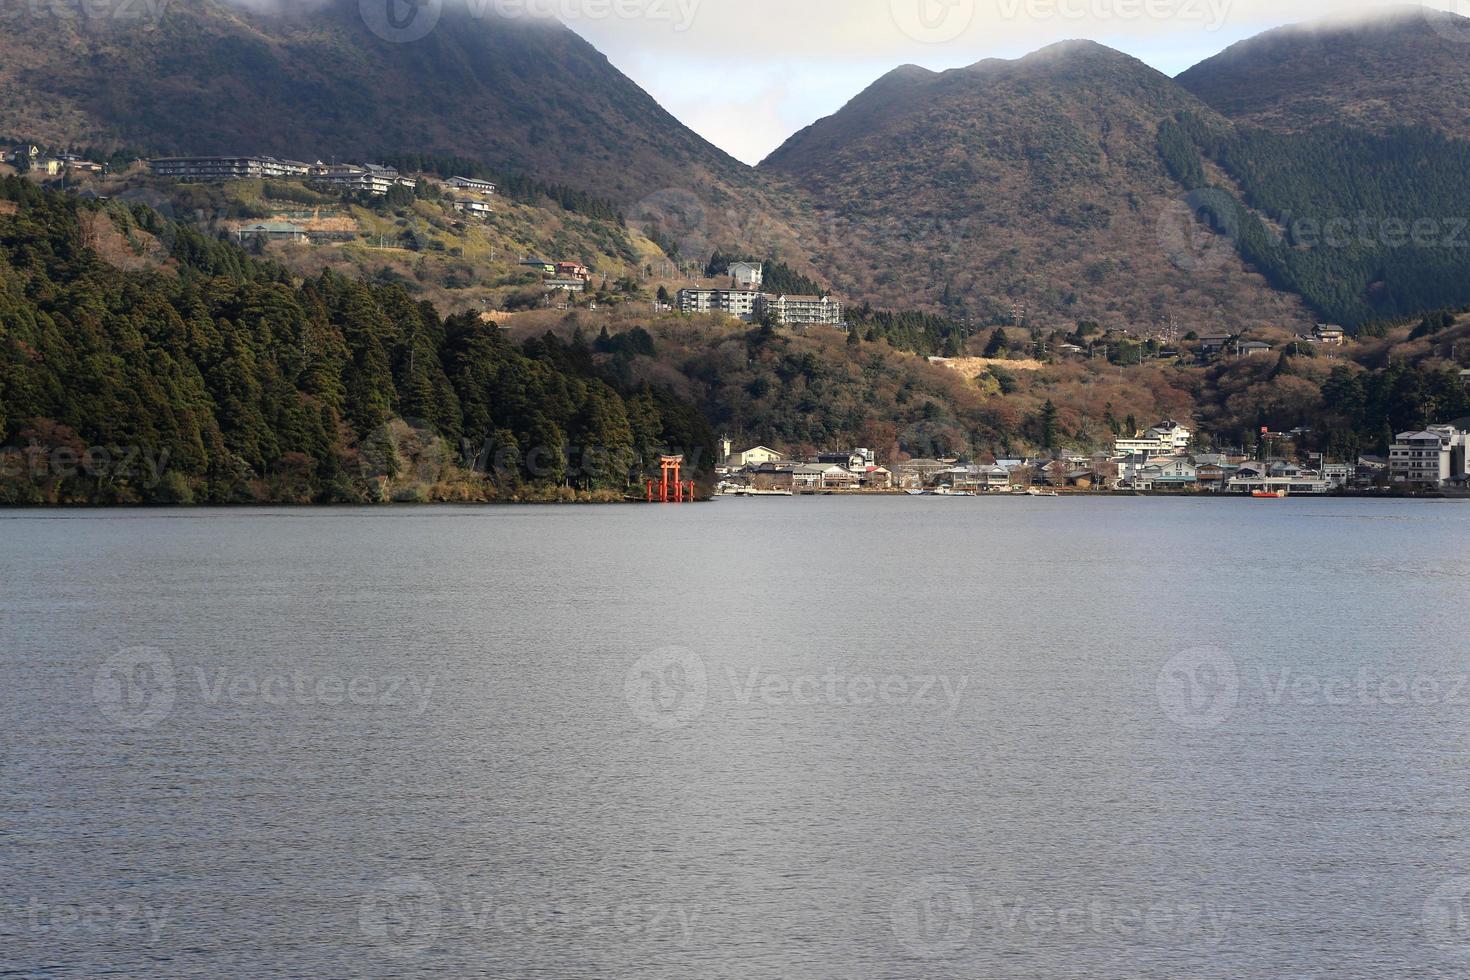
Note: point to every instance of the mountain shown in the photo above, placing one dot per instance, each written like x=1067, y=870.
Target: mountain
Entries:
x=317, y=82
x=1410, y=67
x=1035, y=183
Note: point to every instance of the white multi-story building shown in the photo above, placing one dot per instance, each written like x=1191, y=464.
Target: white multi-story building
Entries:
x=1433, y=457
x=801, y=310
x=740, y=303
x=1168, y=438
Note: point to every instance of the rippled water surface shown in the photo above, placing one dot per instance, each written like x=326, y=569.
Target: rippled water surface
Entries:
x=764, y=738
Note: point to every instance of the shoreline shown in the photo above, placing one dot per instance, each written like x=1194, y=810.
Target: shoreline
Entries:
x=475, y=505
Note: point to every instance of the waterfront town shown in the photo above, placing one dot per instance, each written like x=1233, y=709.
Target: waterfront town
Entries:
x=1157, y=461
x=1168, y=458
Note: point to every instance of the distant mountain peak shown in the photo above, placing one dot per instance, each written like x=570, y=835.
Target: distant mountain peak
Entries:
x=1398, y=66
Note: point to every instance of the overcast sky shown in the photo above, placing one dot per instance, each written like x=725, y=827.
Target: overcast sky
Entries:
x=746, y=74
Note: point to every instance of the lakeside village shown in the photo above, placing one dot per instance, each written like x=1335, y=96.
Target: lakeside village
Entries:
x=1158, y=461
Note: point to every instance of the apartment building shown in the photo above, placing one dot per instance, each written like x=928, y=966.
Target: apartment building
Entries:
x=226, y=168
x=801, y=310
x=740, y=303
x=1431, y=458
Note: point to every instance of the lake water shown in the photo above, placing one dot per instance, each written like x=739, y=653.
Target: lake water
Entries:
x=883, y=738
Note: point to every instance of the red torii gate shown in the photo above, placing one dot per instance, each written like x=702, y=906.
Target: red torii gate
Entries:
x=671, y=491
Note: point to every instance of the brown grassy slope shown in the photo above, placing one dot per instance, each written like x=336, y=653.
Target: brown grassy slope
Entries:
x=1035, y=182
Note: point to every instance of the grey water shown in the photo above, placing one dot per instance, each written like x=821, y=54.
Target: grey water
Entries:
x=887, y=738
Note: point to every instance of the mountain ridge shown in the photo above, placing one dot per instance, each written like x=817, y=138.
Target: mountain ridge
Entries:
x=1404, y=66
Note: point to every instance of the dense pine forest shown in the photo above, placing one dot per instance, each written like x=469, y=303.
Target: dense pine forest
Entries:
x=180, y=369
x=1363, y=226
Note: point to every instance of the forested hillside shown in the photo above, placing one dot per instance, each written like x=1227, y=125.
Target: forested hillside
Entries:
x=1362, y=226
x=182, y=369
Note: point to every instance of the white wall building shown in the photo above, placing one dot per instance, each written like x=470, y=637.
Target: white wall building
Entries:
x=801, y=310
x=748, y=275
x=1432, y=458
x=740, y=303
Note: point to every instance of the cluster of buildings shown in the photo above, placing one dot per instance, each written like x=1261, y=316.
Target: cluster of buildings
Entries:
x=1216, y=345
x=744, y=298
x=367, y=178
x=764, y=470
x=565, y=277
x=1156, y=461
x=364, y=178
x=30, y=157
